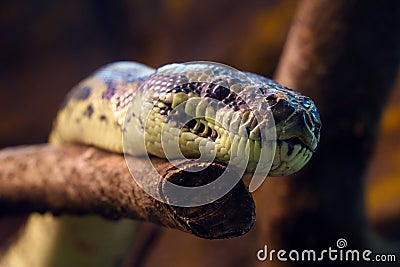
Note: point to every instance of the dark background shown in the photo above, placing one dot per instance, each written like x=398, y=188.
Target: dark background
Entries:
x=46, y=47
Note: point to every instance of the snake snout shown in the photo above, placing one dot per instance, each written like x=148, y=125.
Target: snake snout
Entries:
x=297, y=119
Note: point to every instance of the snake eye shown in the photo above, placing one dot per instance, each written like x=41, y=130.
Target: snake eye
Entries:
x=281, y=110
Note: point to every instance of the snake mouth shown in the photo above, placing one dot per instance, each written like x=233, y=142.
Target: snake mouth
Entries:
x=291, y=155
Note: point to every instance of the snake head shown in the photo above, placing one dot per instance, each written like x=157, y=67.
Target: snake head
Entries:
x=296, y=120
x=297, y=125
x=241, y=119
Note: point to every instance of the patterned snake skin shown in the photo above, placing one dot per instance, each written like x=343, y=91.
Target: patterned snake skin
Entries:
x=208, y=108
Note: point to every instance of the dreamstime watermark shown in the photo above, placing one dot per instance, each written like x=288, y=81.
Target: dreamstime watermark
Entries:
x=338, y=253
x=161, y=110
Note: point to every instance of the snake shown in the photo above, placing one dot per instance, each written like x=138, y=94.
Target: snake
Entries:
x=206, y=107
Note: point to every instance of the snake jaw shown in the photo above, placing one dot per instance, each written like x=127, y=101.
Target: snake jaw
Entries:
x=289, y=158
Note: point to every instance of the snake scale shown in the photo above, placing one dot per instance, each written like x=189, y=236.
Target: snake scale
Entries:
x=206, y=107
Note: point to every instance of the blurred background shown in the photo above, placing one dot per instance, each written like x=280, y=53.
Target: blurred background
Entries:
x=46, y=47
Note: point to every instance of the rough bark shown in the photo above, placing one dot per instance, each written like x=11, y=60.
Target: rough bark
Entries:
x=82, y=180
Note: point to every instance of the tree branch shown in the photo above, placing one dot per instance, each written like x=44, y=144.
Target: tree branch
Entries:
x=345, y=55
x=85, y=180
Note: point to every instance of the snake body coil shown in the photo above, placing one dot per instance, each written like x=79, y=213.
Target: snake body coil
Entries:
x=207, y=108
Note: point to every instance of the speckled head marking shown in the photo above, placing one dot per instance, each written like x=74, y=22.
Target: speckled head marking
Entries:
x=97, y=112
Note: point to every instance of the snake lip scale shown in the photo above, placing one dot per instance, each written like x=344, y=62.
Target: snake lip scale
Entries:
x=225, y=112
